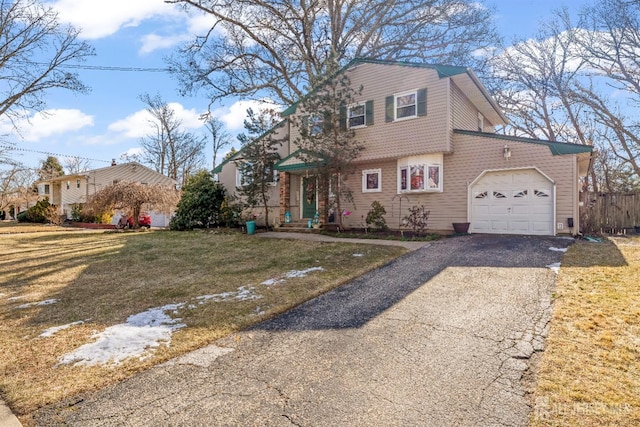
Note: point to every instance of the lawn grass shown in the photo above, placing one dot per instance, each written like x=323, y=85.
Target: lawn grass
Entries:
x=12, y=227
x=103, y=278
x=589, y=374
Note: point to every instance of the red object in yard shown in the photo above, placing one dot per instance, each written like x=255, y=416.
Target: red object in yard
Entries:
x=143, y=221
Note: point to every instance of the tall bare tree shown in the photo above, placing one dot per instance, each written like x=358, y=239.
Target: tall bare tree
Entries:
x=283, y=48
x=610, y=45
x=171, y=150
x=220, y=138
x=76, y=165
x=35, y=49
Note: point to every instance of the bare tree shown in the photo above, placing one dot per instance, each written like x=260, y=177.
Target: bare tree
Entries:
x=536, y=83
x=171, y=150
x=34, y=52
x=282, y=49
x=76, y=165
x=220, y=138
x=17, y=187
x=610, y=46
x=131, y=197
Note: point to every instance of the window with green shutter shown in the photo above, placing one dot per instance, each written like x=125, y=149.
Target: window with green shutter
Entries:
x=406, y=105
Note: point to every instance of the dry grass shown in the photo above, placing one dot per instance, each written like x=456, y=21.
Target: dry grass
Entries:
x=12, y=227
x=102, y=278
x=590, y=372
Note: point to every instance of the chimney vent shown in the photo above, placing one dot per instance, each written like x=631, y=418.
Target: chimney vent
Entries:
x=113, y=162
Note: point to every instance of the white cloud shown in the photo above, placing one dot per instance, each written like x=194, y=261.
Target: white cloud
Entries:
x=99, y=19
x=48, y=123
x=153, y=42
x=137, y=125
x=233, y=117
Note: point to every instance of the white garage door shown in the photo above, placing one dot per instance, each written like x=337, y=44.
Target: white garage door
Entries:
x=512, y=202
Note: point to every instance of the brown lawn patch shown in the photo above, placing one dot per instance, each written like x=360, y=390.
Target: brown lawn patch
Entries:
x=101, y=279
x=590, y=371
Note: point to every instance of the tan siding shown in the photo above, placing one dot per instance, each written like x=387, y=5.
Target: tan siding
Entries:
x=471, y=157
x=426, y=134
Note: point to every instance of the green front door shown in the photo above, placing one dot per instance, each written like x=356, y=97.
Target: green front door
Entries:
x=309, y=206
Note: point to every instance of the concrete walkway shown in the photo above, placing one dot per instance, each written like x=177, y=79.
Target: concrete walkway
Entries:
x=443, y=336
x=7, y=419
x=412, y=246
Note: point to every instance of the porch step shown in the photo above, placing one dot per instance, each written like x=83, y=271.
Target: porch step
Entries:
x=296, y=226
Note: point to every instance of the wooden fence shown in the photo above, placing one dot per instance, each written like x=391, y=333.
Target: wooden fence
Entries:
x=612, y=212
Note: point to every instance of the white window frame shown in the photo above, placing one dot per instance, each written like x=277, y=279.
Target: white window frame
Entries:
x=365, y=180
x=427, y=186
x=77, y=182
x=415, y=105
x=316, y=125
x=240, y=178
x=364, y=115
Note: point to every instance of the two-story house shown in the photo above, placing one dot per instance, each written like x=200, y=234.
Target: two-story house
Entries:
x=69, y=190
x=429, y=136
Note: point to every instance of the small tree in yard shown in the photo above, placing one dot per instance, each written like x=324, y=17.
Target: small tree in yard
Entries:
x=201, y=203
x=130, y=197
x=328, y=145
x=259, y=154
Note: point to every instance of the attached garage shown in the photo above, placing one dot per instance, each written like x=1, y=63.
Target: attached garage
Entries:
x=514, y=201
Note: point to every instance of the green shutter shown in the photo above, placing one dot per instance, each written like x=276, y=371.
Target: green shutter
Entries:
x=422, y=102
x=368, y=113
x=388, y=109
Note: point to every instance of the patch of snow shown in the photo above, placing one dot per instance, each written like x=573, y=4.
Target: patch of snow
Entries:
x=555, y=267
x=358, y=255
x=53, y=330
x=558, y=249
x=242, y=294
x=141, y=332
x=14, y=298
x=290, y=275
x=45, y=302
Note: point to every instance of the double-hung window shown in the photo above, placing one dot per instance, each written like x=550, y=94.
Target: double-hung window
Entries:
x=406, y=105
x=360, y=115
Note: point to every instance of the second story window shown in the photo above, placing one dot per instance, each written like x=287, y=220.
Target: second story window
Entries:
x=406, y=105
x=360, y=115
x=77, y=182
x=316, y=125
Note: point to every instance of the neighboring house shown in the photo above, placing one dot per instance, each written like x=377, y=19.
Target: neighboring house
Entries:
x=429, y=140
x=68, y=190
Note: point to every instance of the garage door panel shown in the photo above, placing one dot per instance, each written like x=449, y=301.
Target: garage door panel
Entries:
x=517, y=202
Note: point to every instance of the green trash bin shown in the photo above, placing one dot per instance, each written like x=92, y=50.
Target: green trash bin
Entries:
x=251, y=227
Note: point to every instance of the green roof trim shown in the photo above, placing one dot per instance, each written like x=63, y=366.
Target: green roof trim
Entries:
x=300, y=165
x=443, y=72
x=218, y=168
x=557, y=148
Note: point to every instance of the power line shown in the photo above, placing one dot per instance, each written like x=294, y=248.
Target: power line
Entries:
x=9, y=147
x=110, y=68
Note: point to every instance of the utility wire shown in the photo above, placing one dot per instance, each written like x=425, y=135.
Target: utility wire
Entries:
x=109, y=68
x=9, y=147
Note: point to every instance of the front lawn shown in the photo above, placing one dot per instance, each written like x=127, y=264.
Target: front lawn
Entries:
x=590, y=371
x=67, y=300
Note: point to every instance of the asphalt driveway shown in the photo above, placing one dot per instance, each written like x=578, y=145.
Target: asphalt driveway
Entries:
x=443, y=336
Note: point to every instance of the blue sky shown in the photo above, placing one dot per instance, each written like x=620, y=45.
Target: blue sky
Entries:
x=110, y=120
